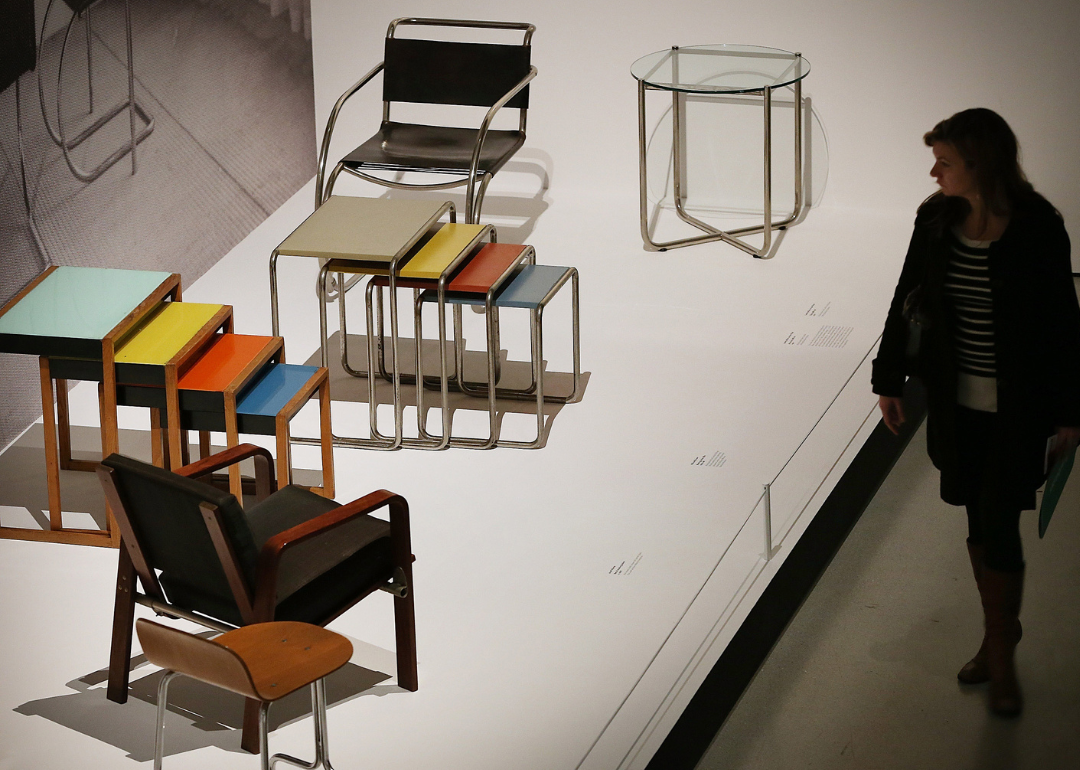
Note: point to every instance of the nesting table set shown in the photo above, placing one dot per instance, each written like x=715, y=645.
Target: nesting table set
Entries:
x=129, y=331
x=401, y=244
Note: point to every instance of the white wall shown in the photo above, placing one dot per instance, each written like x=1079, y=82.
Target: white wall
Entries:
x=883, y=73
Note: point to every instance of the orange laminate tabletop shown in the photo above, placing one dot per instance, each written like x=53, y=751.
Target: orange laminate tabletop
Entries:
x=486, y=267
x=223, y=361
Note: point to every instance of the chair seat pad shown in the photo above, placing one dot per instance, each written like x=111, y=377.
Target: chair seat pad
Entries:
x=317, y=578
x=442, y=149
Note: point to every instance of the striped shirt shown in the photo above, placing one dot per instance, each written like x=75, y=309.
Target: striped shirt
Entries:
x=967, y=289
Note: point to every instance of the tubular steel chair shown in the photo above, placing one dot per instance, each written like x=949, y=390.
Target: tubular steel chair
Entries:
x=440, y=72
x=292, y=556
x=136, y=112
x=264, y=662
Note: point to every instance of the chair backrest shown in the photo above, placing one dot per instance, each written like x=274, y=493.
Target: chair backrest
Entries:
x=442, y=72
x=165, y=518
x=196, y=657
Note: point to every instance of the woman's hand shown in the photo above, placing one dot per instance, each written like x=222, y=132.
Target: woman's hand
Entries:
x=1066, y=438
x=892, y=413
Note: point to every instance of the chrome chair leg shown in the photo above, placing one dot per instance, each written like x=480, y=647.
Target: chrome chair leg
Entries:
x=322, y=734
x=162, y=702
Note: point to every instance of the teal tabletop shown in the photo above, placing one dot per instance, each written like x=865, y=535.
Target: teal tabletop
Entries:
x=73, y=309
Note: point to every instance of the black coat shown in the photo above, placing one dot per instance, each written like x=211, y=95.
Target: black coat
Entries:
x=1037, y=340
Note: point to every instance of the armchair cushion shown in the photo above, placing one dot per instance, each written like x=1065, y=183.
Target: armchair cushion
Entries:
x=304, y=562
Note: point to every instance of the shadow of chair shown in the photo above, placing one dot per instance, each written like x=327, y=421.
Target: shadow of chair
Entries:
x=292, y=556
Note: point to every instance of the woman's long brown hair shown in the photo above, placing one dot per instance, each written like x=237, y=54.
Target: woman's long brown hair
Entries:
x=990, y=151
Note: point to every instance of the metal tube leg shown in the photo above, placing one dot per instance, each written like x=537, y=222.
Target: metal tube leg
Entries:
x=418, y=356
x=162, y=702
x=678, y=147
x=264, y=743
x=538, y=321
x=767, y=242
x=576, y=332
x=343, y=332
x=798, y=150
x=643, y=184
x=321, y=286
x=373, y=426
x=322, y=732
x=444, y=374
x=275, y=327
x=396, y=350
x=480, y=198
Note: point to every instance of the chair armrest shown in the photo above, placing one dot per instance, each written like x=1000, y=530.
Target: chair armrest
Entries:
x=324, y=148
x=486, y=123
x=266, y=571
x=264, y=466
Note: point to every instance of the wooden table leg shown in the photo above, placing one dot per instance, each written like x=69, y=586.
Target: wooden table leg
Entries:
x=52, y=458
x=327, y=438
x=284, y=455
x=157, y=450
x=232, y=438
x=110, y=430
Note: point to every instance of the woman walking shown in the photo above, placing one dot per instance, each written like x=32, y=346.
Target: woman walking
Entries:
x=986, y=296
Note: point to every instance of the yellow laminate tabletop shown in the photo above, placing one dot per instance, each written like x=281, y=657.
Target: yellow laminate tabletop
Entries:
x=443, y=248
x=163, y=336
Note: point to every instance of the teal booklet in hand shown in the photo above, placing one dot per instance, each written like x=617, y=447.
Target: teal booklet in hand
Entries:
x=1055, y=483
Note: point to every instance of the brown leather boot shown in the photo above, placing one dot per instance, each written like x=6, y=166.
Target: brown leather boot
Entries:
x=1002, y=592
x=975, y=671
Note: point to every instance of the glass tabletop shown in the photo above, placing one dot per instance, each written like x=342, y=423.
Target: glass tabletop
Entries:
x=720, y=69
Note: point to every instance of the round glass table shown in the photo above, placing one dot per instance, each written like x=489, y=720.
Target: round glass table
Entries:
x=720, y=70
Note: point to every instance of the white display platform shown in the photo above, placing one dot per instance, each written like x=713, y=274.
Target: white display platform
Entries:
x=571, y=599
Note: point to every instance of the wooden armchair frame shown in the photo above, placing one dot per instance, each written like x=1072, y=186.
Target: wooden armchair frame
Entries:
x=258, y=604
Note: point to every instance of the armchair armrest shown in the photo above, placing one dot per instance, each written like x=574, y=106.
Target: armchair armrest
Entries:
x=264, y=466
x=324, y=148
x=266, y=572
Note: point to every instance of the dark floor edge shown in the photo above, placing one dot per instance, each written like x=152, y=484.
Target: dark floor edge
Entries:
x=748, y=649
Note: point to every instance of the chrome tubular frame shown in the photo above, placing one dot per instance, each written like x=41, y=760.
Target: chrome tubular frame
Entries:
x=322, y=733
x=162, y=704
x=424, y=440
x=491, y=311
x=732, y=237
x=376, y=440
x=130, y=104
x=266, y=761
x=537, y=322
x=324, y=147
x=476, y=182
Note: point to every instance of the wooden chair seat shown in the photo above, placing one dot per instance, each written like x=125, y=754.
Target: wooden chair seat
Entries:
x=263, y=662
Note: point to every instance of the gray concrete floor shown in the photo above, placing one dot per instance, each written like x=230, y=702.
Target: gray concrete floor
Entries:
x=864, y=676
